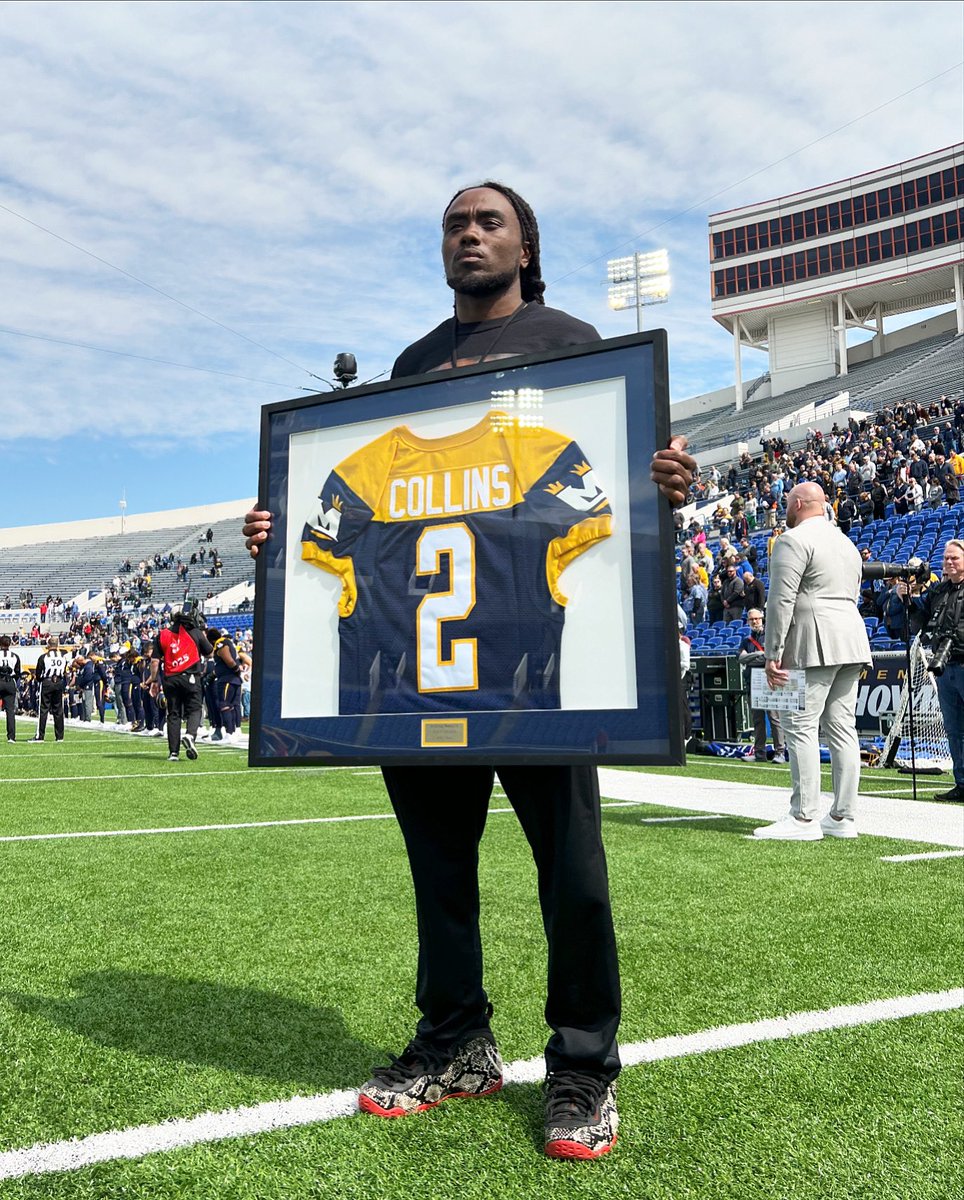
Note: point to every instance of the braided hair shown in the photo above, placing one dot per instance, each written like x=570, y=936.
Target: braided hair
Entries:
x=530, y=276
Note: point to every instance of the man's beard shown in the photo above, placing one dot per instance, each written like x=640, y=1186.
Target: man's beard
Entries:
x=479, y=284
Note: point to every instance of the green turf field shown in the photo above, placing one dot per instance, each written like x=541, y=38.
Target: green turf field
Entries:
x=152, y=976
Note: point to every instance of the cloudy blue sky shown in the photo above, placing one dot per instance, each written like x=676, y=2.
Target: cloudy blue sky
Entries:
x=281, y=169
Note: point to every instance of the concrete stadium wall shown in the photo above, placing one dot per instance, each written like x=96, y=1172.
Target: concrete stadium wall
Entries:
x=28, y=535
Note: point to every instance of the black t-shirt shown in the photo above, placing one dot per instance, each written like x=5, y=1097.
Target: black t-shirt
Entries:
x=533, y=329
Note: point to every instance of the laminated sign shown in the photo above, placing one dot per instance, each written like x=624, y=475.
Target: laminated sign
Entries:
x=791, y=697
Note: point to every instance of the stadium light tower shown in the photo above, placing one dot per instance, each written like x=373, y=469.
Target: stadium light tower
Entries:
x=122, y=504
x=639, y=280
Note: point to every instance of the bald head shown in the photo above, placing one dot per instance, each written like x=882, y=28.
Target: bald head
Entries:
x=805, y=500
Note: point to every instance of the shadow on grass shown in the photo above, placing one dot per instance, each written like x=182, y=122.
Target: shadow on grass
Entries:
x=209, y=1024
x=721, y=824
x=526, y=1105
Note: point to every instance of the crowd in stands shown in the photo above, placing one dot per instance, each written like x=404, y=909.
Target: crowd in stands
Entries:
x=53, y=608
x=909, y=456
x=133, y=584
x=887, y=479
x=128, y=609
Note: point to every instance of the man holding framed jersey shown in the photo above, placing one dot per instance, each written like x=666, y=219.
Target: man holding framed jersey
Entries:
x=490, y=251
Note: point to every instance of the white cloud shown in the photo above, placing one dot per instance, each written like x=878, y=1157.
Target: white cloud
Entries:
x=282, y=167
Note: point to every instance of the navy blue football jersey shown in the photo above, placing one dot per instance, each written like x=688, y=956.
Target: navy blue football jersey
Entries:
x=449, y=552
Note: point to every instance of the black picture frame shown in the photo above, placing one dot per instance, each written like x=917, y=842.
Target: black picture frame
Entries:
x=616, y=673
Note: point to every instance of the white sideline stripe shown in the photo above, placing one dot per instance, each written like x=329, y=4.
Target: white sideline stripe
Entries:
x=44, y=1158
x=921, y=857
x=51, y=837
x=933, y=822
x=668, y=820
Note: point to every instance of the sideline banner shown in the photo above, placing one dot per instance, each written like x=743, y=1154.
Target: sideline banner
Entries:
x=878, y=692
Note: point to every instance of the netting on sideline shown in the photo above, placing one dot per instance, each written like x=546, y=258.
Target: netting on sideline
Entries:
x=931, y=751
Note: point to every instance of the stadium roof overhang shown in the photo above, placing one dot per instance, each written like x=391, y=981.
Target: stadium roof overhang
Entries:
x=888, y=295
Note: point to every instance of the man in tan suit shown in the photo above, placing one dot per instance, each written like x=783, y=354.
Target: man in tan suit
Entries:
x=813, y=623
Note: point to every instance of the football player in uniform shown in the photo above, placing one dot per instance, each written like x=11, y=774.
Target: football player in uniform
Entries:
x=228, y=662
x=128, y=675
x=101, y=684
x=153, y=708
x=210, y=694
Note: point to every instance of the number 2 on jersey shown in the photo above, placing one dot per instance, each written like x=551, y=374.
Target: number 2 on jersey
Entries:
x=459, y=672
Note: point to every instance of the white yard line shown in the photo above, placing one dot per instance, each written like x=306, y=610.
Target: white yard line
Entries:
x=902, y=858
x=163, y=775
x=694, y=801
x=935, y=823
x=100, y=833
x=673, y=820
x=147, y=752
x=45, y=1158
x=103, y=833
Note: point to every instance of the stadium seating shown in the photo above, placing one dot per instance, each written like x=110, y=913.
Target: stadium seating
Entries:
x=69, y=567
x=894, y=539
x=918, y=372
x=233, y=624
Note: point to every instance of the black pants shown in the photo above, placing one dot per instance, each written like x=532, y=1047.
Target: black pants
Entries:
x=100, y=698
x=183, y=695
x=52, y=702
x=131, y=695
x=229, y=703
x=442, y=812
x=153, y=714
x=8, y=694
x=211, y=702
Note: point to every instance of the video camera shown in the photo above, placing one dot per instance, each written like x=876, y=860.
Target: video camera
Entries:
x=914, y=568
x=194, y=610
x=346, y=369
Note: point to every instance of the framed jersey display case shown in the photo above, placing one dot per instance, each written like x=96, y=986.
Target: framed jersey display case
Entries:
x=471, y=566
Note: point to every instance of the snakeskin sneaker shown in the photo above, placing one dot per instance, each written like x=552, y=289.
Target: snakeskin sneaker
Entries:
x=581, y=1116
x=423, y=1076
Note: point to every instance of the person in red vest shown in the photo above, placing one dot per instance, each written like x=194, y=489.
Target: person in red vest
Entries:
x=179, y=649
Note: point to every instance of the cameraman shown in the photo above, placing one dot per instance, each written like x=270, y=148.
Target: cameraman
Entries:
x=939, y=612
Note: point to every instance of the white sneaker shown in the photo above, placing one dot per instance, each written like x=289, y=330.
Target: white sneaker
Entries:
x=845, y=827
x=779, y=756
x=791, y=830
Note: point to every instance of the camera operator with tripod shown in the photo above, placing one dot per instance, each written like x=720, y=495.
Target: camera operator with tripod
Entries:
x=939, y=614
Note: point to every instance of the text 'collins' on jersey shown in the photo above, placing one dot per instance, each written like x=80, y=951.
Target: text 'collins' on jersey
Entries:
x=449, y=553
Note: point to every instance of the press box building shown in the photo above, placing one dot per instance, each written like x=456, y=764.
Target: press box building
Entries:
x=792, y=275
